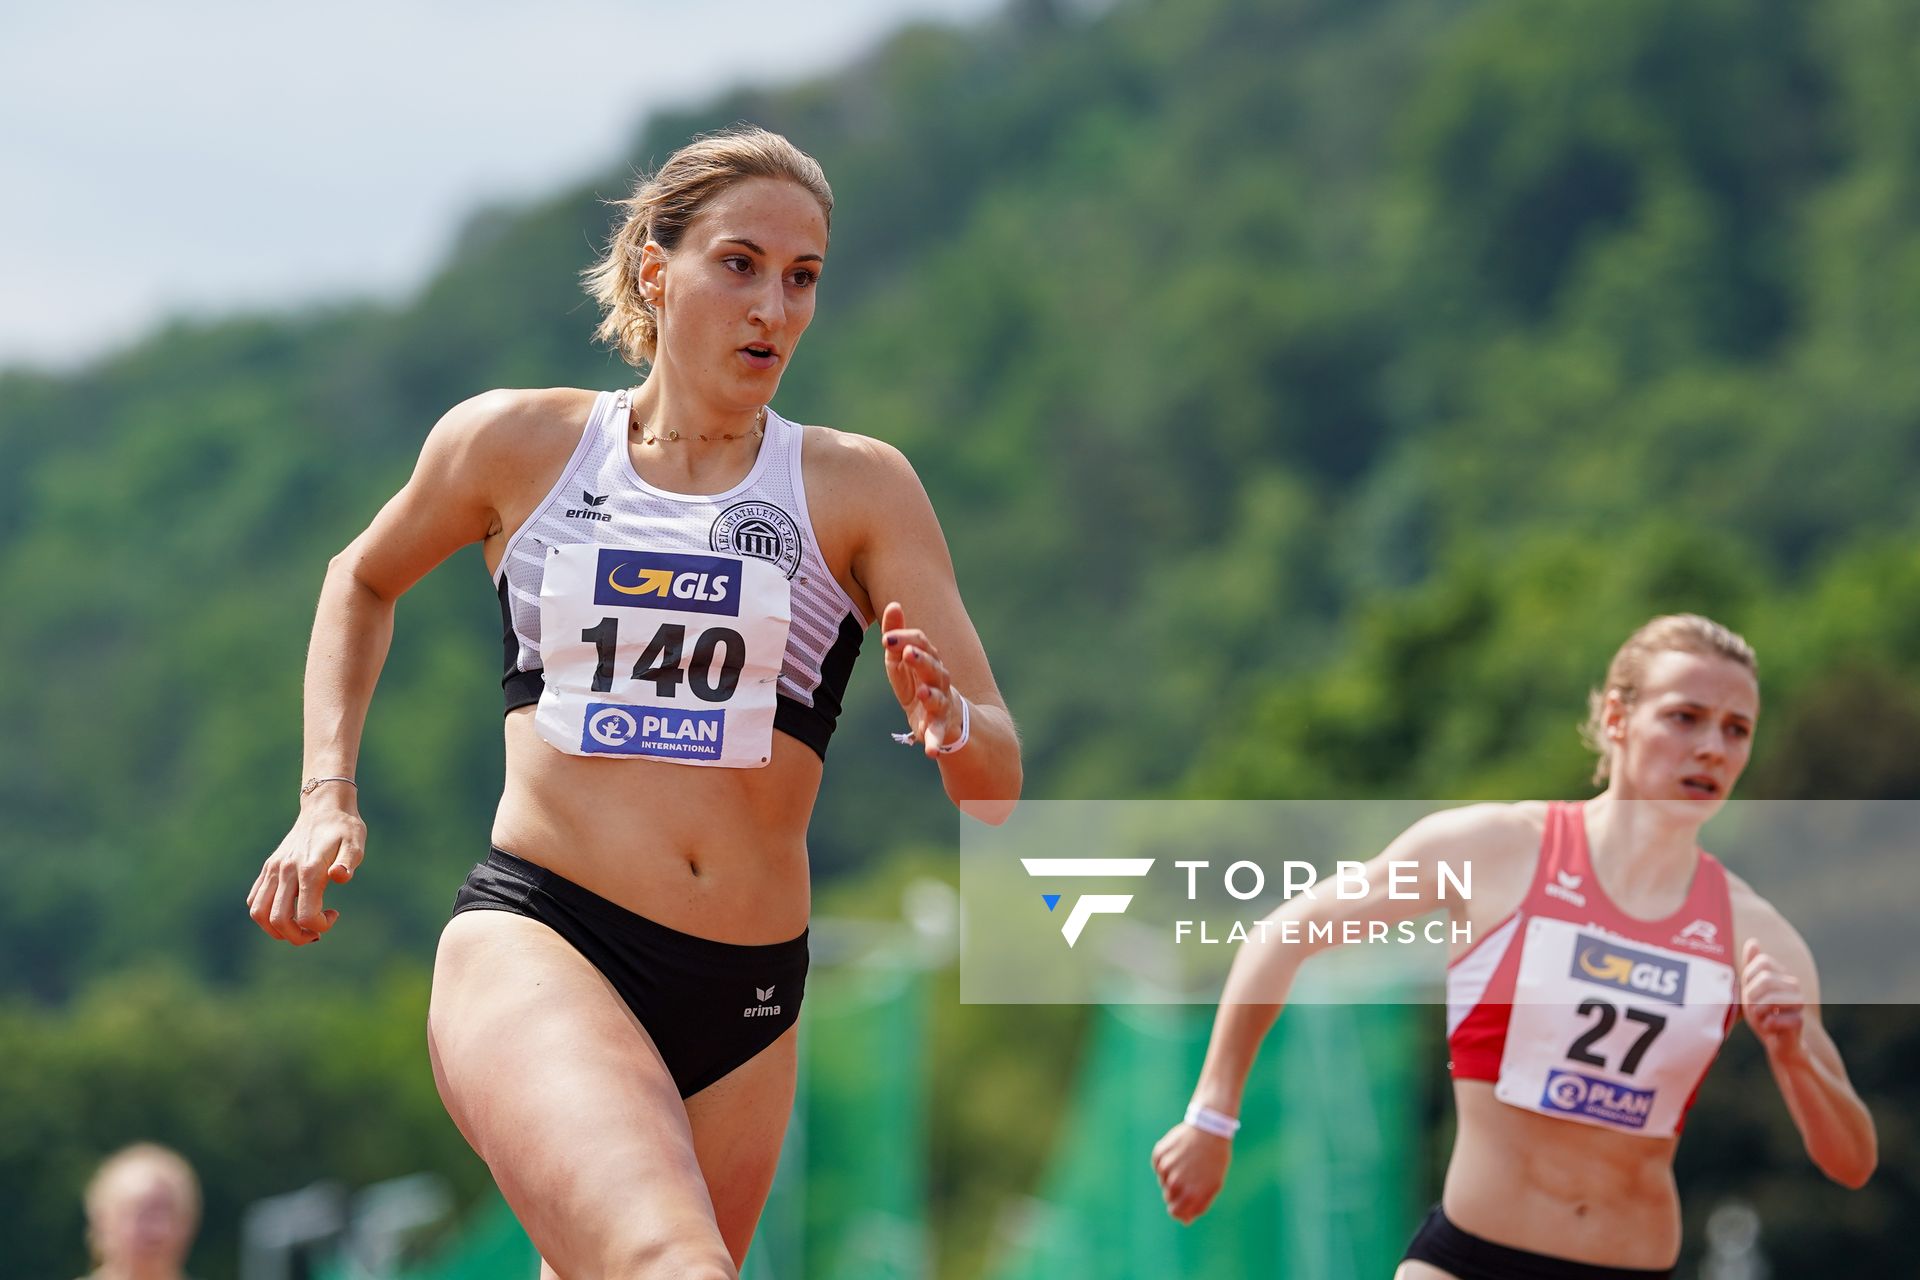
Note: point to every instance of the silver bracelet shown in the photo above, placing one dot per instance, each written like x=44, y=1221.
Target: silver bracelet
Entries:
x=1207, y=1120
x=308, y=787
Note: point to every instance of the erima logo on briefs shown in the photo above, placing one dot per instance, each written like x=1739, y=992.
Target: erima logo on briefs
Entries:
x=763, y=1009
x=1572, y=1094
x=665, y=580
x=1087, y=905
x=665, y=732
x=587, y=512
x=1608, y=964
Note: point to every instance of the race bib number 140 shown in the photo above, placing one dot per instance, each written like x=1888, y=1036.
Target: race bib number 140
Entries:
x=662, y=655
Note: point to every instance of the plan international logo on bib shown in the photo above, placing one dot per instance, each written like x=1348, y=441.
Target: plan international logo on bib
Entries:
x=1571, y=1093
x=667, y=580
x=653, y=731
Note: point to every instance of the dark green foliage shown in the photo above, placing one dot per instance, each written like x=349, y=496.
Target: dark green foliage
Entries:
x=264, y=1092
x=1314, y=394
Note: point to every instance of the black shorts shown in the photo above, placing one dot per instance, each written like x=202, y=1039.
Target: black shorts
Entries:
x=1441, y=1244
x=709, y=1006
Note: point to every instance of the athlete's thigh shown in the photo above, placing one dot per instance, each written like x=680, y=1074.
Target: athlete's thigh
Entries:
x=1421, y=1271
x=739, y=1122
x=564, y=1096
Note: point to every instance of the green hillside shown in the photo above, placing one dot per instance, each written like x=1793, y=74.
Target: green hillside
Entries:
x=1314, y=393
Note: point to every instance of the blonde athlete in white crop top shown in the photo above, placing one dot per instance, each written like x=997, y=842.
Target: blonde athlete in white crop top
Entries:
x=1607, y=952
x=684, y=577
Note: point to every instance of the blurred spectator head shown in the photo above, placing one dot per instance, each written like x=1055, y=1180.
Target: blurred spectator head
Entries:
x=143, y=1207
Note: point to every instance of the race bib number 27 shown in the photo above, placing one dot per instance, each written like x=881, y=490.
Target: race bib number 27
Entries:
x=1610, y=1031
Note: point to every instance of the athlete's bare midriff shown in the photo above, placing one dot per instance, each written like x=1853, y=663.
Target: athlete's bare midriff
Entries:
x=716, y=852
x=720, y=853
x=1562, y=1189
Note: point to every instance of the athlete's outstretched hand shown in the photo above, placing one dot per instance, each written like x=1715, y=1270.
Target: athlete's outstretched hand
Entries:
x=326, y=843
x=919, y=681
x=1771, y=1000
x=1191, y=1166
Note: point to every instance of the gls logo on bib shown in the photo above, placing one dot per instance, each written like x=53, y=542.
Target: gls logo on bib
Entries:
x=1608, y=964
x=667, y=580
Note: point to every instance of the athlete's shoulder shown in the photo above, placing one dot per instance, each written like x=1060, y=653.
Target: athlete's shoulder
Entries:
x=1483, y=830
x=1758, y=920
x=853, y=453
x=485, y=449
x=860, y=471
x=1753, y=915
x=514, y=424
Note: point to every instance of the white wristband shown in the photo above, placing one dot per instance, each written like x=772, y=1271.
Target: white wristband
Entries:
x=1207, y=1120
x=966, y=727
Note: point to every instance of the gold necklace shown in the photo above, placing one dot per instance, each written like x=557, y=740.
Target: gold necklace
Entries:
x=759, y=430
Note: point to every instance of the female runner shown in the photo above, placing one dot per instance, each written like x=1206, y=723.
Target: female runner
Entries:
x=684, y=579
x=1609, y=957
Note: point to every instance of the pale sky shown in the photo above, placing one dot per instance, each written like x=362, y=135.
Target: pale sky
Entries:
x=197, y=158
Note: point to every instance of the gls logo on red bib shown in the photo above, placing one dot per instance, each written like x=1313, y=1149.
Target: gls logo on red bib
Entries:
x=1608, y=964
x=665, y=580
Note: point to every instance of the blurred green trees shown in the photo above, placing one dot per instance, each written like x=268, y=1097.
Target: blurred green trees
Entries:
x=1314, y=393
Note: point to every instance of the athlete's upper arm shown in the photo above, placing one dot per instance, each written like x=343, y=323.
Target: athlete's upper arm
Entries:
x=901, y=554
x=452, y=497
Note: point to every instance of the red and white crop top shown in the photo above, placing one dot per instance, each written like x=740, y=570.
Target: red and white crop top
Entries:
x=1576, y=1010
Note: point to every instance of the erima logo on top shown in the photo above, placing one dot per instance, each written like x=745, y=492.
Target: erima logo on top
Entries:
x=667, y=580
x=1608, y=964
x=1087, y=905
x=1566, y=888
x=590, y=511
x=762, y=1009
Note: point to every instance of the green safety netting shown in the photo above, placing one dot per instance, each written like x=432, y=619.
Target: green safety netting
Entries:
x=1325, y=1169
x=850, y=1197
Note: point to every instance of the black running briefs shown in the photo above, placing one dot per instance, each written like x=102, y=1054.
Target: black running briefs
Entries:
x=1441, y=1244
x=709, y=1006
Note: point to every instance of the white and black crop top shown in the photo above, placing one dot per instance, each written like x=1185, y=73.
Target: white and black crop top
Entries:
x=672, y=626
